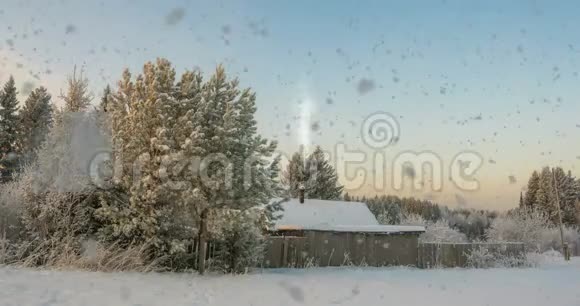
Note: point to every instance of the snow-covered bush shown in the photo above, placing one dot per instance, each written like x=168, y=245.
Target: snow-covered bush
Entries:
x=54, y=222
x=11, y=197
x=58, y=195
x=437, y=232
x=239, y=242
x=10, y=226
x=440, y=232
x=473, y=223
x=531, y=228
x=519, y=226
x=54, y=195
x=550, y=238
x=96, y=256
x=413, y=219
x=485, y=256
x=480, y=257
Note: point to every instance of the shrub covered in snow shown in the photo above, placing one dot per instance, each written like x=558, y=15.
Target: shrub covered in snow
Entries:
x=550, y=237
x=435, y=232
x=486, y=256
x=473, y=223
x=519, y=226
x=531, y=228
x=440, y=232
x=480, y=257
x=11, y=195
x=238, y=240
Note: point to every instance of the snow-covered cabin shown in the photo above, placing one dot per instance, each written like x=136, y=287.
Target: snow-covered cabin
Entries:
x=334, y=216
x=335, y=233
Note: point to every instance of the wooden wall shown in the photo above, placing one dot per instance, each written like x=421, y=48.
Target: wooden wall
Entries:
x=322, y=249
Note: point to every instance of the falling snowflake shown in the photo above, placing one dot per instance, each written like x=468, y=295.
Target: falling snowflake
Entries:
x=175, y=16
x=70, y=29
x=365, y=86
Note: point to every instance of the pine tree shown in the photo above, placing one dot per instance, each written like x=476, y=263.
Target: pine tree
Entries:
x=541, y=194
x=35, y=121
x=567, y=194
x=545, y=196
x=236, y=173
x=197, y=151
x=317, y=175
x=322, y=182
x=532, y=190
x=77, y=97
x=8, y=130
x=294, y=175
x=140, y=129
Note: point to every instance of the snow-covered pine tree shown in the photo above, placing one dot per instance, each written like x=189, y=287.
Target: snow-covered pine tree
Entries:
x=532, y=190
x=8, y=130
x=35, y=121
x=235, y=163
x=567, y=194
x=77, y=98
x=196, y=148
x=317, y=175
x=294, y=175
x=141, y=127
x=545, y=196
x=322, y=180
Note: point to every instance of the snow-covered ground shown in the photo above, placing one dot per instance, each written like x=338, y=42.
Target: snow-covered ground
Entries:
x=553, y=284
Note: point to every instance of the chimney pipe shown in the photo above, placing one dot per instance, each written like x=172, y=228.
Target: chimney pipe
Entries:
x=301, y=194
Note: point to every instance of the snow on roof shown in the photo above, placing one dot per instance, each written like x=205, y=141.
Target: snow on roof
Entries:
x=375, y=228
x=339, y=216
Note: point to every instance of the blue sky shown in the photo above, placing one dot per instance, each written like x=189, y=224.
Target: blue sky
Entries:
x=496, y=77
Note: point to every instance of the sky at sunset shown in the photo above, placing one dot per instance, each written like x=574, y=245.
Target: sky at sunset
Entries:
x=498, y=79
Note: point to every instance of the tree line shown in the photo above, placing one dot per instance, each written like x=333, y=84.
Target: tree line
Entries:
x=22, y=129
x=181, y=149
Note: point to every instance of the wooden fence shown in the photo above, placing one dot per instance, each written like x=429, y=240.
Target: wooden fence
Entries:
x=434, y=255
x=575, y=248
x=323, y=249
